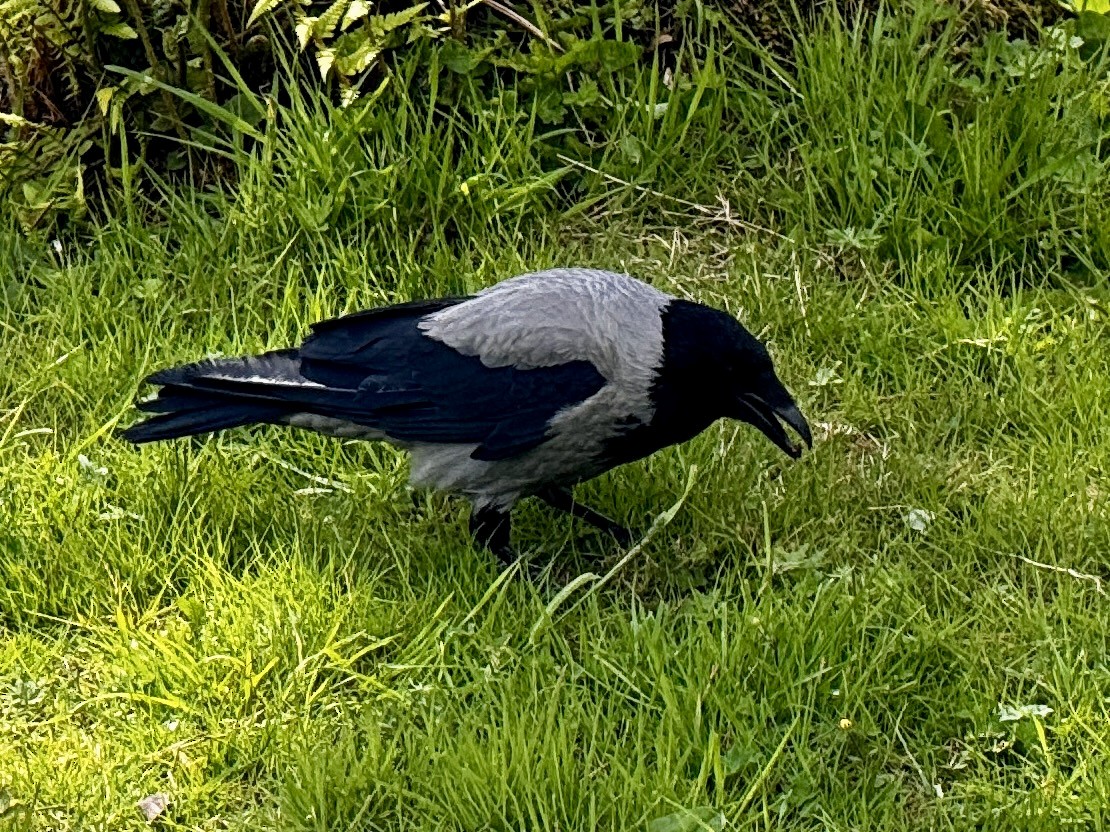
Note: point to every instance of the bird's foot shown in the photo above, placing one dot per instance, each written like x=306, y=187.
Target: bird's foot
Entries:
x=491, y=529
x=563, y=500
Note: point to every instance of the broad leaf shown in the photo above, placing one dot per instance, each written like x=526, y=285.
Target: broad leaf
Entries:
x=104, y=98
x=261, y=8
x=325, y=24
x=324, y=60
x=387, y=23
x=119, y=30
x=356, y=11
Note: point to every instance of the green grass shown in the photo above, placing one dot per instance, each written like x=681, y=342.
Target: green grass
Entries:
x=889, y=135
x=270, y=628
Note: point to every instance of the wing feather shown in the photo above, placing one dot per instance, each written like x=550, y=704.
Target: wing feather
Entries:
x=417, y=389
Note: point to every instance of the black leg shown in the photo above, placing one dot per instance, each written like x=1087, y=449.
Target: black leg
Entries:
x=563, y=500
x=490, y=528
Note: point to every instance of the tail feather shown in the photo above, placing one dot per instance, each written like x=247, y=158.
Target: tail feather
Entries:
x=275, y=366
x=174, y=425
x=217, y=394
x=174, y=398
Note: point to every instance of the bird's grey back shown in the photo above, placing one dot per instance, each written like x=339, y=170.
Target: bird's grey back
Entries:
x=552, y=317
x=545, y=319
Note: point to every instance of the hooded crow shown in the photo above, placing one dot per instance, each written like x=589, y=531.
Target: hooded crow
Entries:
x=524, y=389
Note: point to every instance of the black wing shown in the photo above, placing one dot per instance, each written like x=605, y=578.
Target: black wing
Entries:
x=375, y=369
x=393, y=378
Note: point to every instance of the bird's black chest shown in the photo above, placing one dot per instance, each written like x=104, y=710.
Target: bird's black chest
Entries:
x=672, y=424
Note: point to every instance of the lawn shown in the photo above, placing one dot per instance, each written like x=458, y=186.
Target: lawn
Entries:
x=906, y=629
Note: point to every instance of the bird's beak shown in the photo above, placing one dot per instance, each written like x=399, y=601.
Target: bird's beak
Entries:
x=766, y=415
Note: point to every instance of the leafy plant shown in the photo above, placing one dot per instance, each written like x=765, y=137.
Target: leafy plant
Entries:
x=63, y=112
x=47, y=60
x=40, y=39
x=42, y=171
x=346, y=37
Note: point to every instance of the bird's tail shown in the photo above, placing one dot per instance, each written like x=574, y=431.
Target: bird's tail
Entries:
x=216, y=395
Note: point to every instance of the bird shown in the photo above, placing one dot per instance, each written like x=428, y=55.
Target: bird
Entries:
x=524, y=389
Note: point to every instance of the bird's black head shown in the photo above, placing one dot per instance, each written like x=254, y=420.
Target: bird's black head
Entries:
x=713, y=367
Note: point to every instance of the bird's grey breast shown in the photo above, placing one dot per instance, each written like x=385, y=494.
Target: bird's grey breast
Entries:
x=553, y=317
